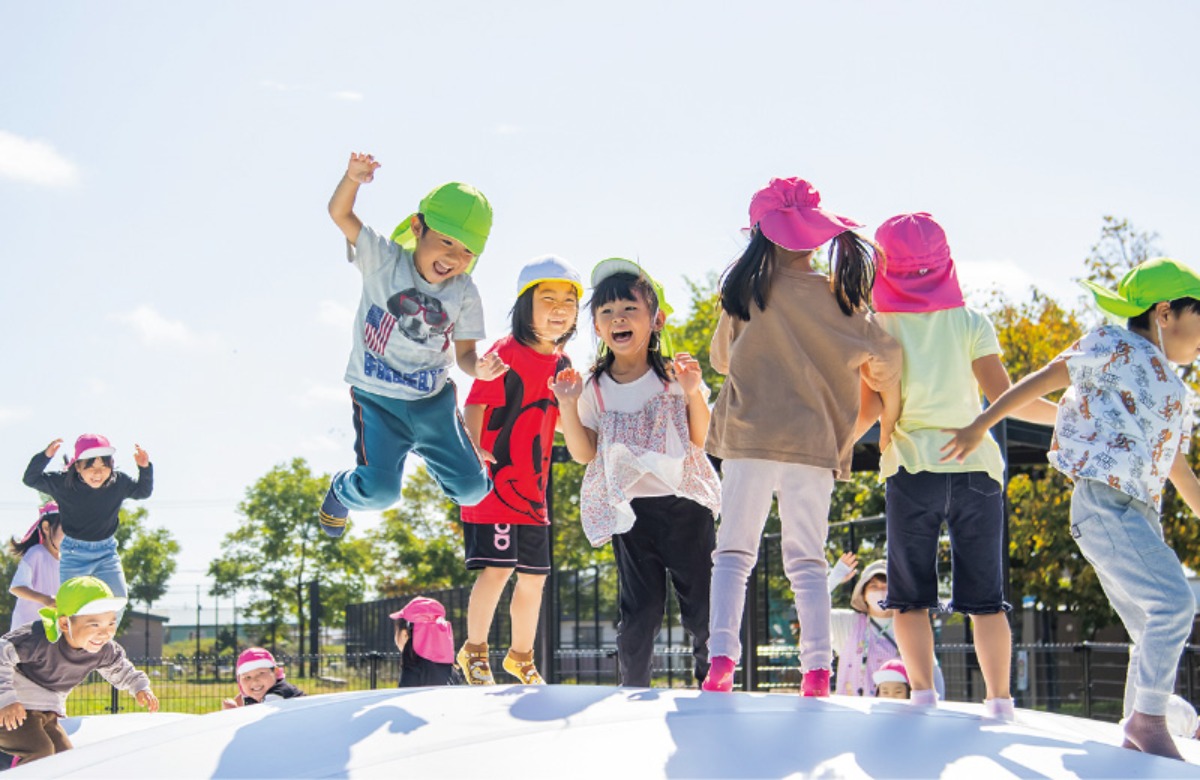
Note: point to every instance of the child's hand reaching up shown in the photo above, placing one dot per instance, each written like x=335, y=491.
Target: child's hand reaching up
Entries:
x=490, y=366
x=688, y=373
x=567, y=385
x=140, y=456
x=362, y=168
x=52, y=447
x=147, y=699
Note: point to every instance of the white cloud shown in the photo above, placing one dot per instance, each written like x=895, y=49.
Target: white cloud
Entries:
x=346, y=95
x=335, y=313
x=35, y=162
x=504, y=129
x=155, y=330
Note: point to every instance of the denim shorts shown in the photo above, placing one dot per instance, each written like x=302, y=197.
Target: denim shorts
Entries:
x=971, y=504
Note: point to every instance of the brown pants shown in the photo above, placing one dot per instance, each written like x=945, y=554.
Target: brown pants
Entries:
x=39, y=736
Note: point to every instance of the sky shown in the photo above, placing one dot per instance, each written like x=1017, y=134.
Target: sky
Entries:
x=173, y=279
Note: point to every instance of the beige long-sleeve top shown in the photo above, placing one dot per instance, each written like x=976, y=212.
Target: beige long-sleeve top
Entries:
x=791, y=392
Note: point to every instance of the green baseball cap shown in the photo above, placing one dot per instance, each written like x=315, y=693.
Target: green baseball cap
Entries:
x=1159, y=279
x=458, y=210
x=79, y=596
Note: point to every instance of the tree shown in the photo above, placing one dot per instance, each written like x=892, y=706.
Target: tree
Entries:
x=279, y=549
x=419, y=546
x=148, y=558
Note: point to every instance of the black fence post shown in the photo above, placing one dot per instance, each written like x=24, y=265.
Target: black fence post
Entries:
x=114, y=703
x=1087, y=680
x=373, y=659
x=314, y=626
x=750, y=633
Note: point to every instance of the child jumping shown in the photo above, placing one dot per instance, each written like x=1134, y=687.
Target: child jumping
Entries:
x=425, y=640
x=36, y=579
x=799, y=351
x=512, y=420
x=1124, y=427
x=950, y=352
x=639, y=423
x=419, y=314
x=89, y=494
x=37, y=671
x=259, y=679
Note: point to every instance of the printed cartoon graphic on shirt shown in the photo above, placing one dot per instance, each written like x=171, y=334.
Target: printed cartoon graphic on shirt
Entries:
x=519, y=424
x=420, y=317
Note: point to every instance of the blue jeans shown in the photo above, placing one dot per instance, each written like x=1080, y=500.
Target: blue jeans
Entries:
x=387, y=429
x=1123, y=540
x=96, y=559
x=971, y=505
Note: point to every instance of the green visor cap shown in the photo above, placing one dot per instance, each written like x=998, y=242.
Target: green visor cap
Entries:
x=1159, y=279
x=455, y=209
x=79, y=596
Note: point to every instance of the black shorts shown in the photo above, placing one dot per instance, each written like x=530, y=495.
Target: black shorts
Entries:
x=525, y=548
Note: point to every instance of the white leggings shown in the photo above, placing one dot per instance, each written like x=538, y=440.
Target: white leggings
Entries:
x=804, y=493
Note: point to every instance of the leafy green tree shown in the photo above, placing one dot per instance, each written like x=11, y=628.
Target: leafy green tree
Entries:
x=148, y=558
x=279, y=548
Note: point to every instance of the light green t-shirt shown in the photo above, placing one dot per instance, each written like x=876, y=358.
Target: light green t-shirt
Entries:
x=938, y=389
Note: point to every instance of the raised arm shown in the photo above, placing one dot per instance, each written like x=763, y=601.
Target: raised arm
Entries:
x=567, y=386
x=690, y=378
x=360, y=170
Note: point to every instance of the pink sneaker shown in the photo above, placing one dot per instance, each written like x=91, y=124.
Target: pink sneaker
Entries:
x=720, y=675
x=815, y=683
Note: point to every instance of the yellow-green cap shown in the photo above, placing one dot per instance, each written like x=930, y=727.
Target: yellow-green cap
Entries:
x=1160, y=279
x=455, y=209
x=619, y=265
x=79, y=596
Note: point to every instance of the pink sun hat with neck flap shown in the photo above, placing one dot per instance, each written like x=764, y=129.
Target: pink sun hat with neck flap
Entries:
x=915, y=272
x=789, y=213
x=432, y=636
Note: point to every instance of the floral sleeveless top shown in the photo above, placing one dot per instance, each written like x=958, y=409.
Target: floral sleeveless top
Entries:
x=653, y=441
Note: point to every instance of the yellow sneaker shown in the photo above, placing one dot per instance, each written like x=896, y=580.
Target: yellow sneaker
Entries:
x=523, y=670
x=475, y=666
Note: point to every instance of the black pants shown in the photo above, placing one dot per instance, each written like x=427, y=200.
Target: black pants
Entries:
x=672, y=537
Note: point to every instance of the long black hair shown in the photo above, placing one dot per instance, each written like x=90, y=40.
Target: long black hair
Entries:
x=748, y=279
x=17, y=548
x=522, y=321
x=628, y=287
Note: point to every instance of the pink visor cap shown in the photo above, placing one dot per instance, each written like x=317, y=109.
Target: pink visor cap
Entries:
x=789, y=213
x=432, y=636
x=916, y=272
x=92, y=445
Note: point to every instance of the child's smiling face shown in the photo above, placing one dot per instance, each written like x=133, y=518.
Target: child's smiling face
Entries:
x=94, y=472
x=257, y=682
x=555, y=309
x=439, y=257
x=625, y=325
x=89, y=632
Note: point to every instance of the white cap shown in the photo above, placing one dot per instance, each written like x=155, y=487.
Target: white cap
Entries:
x=549, y=268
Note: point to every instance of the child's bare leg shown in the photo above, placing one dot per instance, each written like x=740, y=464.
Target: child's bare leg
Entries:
x=914, y=635
x=993, y=646
x=524, y=609
x=1149, y=734
x=485, y=595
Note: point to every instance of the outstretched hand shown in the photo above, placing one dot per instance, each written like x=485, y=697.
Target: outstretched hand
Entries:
x=140, y=456
x=688, y=373
x=850, y=561
x=567, y=385
x=490, y=366
x=362, y=168
x=147, y=699
x=52, y=447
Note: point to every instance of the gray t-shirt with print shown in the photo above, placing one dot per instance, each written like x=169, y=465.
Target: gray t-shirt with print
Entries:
x=405, y=330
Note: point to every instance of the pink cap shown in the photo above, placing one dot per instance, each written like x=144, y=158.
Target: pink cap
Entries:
x=92, y=445
x=48, y=508
x=891, y=671
x=915, y=272
x=789, y=213
x=432, y=636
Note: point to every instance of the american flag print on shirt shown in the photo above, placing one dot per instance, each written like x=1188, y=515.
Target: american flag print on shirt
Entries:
x=378, y=329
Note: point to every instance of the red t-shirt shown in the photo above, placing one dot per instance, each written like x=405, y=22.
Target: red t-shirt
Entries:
x=518, y=429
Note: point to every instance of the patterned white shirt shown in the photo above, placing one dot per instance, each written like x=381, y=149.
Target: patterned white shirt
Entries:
x=1124, y=417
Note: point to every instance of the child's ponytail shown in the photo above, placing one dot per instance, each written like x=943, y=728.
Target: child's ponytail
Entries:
x=852, y=271
x=748, y=279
